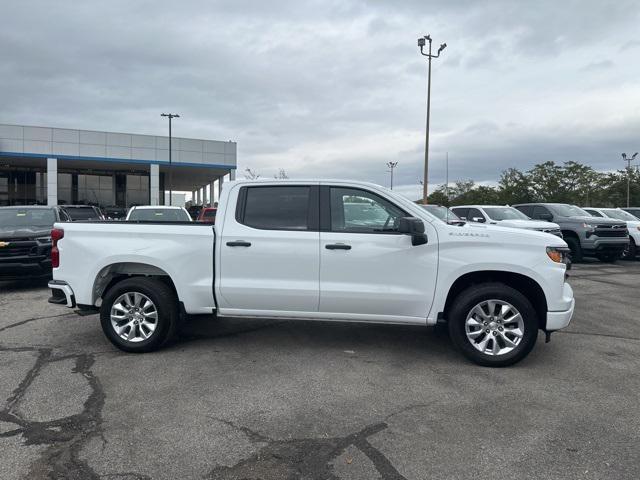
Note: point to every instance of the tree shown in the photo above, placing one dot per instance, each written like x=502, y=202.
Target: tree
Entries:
x=281, y=175
x=514, y=187
x=251, y=174
x=546, y=182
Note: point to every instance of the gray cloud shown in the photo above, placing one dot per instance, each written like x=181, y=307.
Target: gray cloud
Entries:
x=336, y=88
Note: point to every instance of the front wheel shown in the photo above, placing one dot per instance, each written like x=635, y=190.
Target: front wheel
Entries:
x=139, y=314
x=493, y=325
x=631, y=250
x=575, y=247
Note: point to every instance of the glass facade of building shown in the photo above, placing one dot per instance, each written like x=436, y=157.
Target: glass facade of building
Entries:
x=29, y=187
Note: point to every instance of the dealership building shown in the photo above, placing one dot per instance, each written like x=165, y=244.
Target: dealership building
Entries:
x=58, y=166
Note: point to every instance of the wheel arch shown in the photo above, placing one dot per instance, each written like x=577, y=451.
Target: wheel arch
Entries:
x=570, y=234
x=529, y=287
x=113, y=273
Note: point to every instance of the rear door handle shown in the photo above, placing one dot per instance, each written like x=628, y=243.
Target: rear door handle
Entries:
x=239, y=243
x=337, y=246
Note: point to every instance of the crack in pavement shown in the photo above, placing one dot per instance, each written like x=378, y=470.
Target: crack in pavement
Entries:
x=28, y=320
x=590, y=334
x=64, y=437
x=308, y=458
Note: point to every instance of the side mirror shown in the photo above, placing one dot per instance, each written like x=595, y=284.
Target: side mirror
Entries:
x=415, y=228
x=547, y=217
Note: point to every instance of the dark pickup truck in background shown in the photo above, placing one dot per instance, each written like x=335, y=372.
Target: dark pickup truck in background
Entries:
x=25, y=240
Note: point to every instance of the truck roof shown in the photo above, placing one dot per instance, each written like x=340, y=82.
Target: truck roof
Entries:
x=305, y=180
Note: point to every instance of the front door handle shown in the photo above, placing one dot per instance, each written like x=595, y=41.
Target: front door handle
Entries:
x=337, y=246
x=239, y=243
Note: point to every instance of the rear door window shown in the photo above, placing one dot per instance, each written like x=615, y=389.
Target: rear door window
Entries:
x=475, y=215
x=276, y=208
x=526, y=209
x=461, y=212
x=539, y=212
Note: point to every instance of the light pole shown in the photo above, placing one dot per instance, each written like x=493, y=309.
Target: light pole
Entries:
x=629, y=160
x=421, y=43
x=170, y=116
x=391, y=166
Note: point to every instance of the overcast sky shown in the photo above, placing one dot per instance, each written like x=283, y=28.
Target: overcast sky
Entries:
x=337, y=88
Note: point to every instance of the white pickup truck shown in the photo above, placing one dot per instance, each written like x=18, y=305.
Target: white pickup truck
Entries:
x=318, y=250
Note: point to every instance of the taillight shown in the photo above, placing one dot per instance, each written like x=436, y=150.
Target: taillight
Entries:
x=56, y=234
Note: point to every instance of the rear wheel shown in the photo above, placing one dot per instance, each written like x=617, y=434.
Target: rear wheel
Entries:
x=139, y=314
x=493, y=325
x=576, y=249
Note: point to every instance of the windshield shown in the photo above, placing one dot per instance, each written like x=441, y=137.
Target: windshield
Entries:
x=565, y=210
x=443, y=213
x=504, y=213
x=159, y=215
x=82, y=213
x=26, y=217
x=620, y=215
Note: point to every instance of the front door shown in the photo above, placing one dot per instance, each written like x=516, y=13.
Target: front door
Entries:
x=368, y=270
x=269, y=260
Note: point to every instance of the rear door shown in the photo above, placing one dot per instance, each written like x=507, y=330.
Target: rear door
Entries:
x=368, y=270
x=269, y=259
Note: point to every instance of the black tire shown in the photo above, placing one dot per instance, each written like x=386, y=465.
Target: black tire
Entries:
x=166, y=306
x=476, y=294
x=631, y=252
x=608, y=257
x=575, y=247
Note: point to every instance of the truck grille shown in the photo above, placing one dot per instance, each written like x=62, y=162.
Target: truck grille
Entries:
x=611, y=230
x=18, y=248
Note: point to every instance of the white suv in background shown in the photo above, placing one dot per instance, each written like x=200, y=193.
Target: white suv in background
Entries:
x=158, y=213
x=633, y=225
x=505, y=217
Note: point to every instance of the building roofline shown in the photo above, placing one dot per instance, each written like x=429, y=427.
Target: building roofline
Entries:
x=117, y=133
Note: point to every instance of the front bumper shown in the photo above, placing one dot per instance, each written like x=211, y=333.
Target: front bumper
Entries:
x=558, y=320
x=561, y=318
x=24, y=266
x=600, y=244
x=59, y=288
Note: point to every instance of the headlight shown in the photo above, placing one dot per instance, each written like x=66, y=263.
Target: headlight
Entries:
x=558, y=254
x=44, y=239
x=588, y=225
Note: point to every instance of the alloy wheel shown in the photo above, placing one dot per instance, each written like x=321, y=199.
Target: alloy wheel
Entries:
x=494, y=327
x=134, y=317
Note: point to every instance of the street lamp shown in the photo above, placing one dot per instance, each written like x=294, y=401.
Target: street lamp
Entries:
x=391, y=166
x=170, y=116
x=629, y=160
x=422, y=41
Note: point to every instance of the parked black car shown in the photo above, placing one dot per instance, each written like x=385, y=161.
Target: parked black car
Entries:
x=114, y=213
x=194, y=211
x=83, y=212
x=25, y=240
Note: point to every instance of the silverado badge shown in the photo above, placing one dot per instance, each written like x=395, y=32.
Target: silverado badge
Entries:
x=4, y=244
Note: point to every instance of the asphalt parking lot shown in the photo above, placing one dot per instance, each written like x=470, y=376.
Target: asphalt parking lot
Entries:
x=288, y=400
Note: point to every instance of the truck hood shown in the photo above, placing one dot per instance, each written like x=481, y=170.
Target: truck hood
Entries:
x=25, y=232
x=528, y=224
x=594, y=220
x=504, y=235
